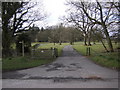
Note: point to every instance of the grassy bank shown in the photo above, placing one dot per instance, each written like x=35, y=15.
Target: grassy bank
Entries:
x=99, y=56
x=17, y=63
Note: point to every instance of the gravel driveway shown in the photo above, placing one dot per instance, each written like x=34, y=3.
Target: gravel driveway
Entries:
x=71, y=70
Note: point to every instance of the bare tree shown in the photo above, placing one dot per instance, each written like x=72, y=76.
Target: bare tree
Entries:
x=79, y=19
x=26, y=15
x=16, y=17
x=104, y=13
x=116, y=5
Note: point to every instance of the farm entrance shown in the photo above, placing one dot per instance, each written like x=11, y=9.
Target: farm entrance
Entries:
x=44, y=53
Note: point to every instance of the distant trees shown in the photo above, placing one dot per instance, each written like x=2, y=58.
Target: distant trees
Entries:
x=81, y=22
x=59, y=34
x=33, y=32
x=43, y=35
x=89, y=14
x=71, y=35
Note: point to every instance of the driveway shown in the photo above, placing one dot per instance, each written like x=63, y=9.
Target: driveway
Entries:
x=71, y=70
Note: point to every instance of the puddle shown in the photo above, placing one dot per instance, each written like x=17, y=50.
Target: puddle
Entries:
x=60, y=66
x=55, y=66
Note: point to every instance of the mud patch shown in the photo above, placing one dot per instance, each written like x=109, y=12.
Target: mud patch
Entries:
x=94, y=78
x=60, y=66
x=55, y=66
x=77, y=65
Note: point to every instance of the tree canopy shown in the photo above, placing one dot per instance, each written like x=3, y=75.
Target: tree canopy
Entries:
x=16, y=18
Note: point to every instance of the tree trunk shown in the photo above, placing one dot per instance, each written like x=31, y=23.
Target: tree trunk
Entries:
x=60, y=43
x=6, y=40
x=108, y=39
x=6, y=43
x=89, y=39
x=71, y=43
x=104, y=45
x=100, y=39
x=94, y=42
x=89, y=42
x=85, y=40
x=54, y=43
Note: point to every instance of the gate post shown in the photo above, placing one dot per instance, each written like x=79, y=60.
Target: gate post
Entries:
x=32, y=52
x=89, y=51
x=86, y=51
x=56, y=52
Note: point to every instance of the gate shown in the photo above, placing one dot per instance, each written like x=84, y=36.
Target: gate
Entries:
x=44, y=53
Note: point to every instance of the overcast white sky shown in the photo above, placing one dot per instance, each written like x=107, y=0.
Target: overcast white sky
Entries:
x=54, y=9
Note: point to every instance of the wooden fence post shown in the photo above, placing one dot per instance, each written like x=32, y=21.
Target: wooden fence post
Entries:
x=89, y=50
x=56, y=52
x=86, y=51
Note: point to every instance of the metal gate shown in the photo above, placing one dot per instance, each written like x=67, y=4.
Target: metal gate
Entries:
x=44, y=53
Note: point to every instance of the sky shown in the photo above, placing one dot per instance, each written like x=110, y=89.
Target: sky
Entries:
x=54, y=9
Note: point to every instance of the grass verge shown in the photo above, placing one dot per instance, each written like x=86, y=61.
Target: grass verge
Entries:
x=99, y=56
x=18, y=63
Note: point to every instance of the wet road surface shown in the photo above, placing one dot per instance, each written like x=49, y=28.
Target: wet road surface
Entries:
x=71, y=70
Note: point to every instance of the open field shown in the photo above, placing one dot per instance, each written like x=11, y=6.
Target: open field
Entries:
x=49, y=45
x=98, y=54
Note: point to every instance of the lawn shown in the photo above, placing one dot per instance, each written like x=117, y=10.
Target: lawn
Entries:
x=51, y=45
x=17, y=63
x=98, y=54
x=32, y=44
x=20, y=62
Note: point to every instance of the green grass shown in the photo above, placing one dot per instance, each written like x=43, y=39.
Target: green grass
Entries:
x=21, y=63
x=98, y=54
x=33, y=43
x=17, y=63
x=49, y=45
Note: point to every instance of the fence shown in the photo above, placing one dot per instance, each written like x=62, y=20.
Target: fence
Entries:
x=90, y=51
x=44, y=53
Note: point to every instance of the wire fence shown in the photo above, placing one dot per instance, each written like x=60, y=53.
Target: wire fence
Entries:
x=44, y=53
x=95, y=52
x=91, y=52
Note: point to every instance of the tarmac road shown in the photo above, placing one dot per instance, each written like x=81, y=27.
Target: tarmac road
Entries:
x=71, y=70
